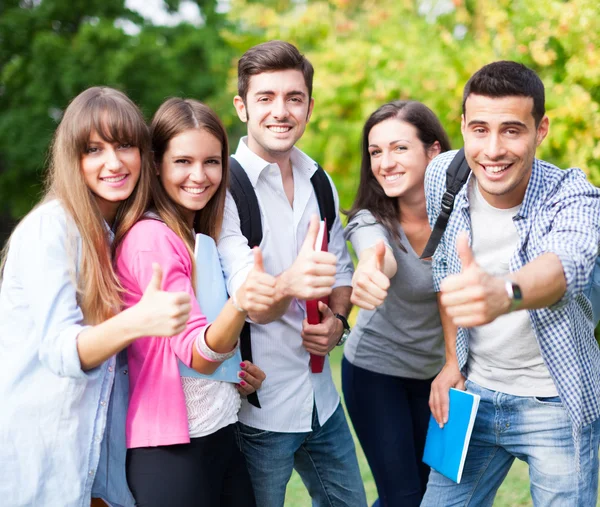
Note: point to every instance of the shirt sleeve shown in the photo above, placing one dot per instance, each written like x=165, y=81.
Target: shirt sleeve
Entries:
x=337, y=246
x=48, y=267
x=574, y=232
x=235, y=254
x=363, y=232
x=164, y=247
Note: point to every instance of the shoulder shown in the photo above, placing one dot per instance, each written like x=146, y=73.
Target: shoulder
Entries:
x=436, y=170
x=559, y=184
x=47, y=221
x=151, y=235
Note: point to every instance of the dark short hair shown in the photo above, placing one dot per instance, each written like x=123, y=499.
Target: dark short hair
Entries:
x=370, y=195
x=269, y=57
x=505, y=79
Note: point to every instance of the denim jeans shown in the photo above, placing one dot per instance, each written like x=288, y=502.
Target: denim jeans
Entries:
x=390, y=416
x=535, y=430
x=325, y=458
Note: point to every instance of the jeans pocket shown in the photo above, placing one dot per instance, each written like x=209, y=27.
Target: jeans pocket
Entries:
x=249, y=432
x=549, y=401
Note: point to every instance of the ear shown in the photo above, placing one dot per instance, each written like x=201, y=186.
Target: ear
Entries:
x=240, y=108
x=434, y=150
x=542, y=130
x=310, y=108
x=463, y=125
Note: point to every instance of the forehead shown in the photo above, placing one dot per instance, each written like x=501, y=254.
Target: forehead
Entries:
x=279, y=81
x=195, y=142
x=391, y=130
x=499, y=109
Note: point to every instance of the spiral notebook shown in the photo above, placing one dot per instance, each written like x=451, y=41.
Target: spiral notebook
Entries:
x=211, y=294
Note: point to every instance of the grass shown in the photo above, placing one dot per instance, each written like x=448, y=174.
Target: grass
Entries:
x=514, y=492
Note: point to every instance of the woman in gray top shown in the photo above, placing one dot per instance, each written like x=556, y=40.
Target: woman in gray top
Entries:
x=397, y=346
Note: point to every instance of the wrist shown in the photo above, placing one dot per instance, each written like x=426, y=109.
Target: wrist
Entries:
x=233, y=300
x=345, y=329
x=514, y=296
x=129, y=324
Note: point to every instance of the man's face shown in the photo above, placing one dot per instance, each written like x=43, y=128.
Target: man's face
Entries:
x=500, y=139
x=277, y=109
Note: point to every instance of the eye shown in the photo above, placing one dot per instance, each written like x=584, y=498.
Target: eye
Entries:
x=296, y=99
x=512, y=132
x=263, y=99
x=125, y=146
x=374, y=153
x=479, y=130
x=400, y=148
x=181, y=161
x=91, y=150
x=214, y=161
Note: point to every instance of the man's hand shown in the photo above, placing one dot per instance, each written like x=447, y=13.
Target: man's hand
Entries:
x=473, y=297
x=312, y=274
x=369, y=283
x=257, y=292
x=450, y=376
x=320, y=339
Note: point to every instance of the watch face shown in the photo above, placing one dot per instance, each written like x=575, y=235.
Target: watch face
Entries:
x=517, y=294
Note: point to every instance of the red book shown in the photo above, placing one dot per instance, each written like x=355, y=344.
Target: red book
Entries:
x=313, y=316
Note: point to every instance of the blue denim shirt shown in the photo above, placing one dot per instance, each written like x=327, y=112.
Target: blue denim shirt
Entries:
x=53, y=413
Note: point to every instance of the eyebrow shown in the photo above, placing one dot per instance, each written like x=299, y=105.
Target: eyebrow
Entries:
x=289, y=94
x=513, y=123
x=391, y=143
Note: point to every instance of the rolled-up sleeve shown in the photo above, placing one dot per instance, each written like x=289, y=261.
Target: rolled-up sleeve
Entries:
x=574, y=232
x=337, y=246
x=48, y=263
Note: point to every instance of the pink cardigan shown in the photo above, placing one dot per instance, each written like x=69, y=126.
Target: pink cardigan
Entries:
x=157, y=414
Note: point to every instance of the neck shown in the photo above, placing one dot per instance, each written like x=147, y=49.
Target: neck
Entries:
x=282, y=159
x=412, y=209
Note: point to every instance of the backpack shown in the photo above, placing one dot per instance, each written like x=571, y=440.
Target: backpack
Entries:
x=456, y=176
x=251, y=226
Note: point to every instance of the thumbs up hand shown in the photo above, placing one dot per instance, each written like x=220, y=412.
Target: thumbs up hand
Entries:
x=257, y=292
x=161, y=313
x=312, y=274
x=369, y=283
x=473, y=297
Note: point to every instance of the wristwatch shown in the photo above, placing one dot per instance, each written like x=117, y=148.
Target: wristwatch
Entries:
x=346, y=331
x=514, y=295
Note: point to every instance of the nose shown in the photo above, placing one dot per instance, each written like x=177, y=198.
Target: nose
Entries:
x=494, y=148
x=197, y=174
x=113, y=161
x=386, y=161
x=280, y=111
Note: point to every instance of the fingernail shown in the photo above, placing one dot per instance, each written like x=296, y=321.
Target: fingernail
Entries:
x=441, y=426
x=242, y=374
x=242, y=365
x=242, y=383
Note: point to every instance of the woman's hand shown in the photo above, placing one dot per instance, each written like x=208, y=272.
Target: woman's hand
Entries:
x=251, y=378
x=160, y=313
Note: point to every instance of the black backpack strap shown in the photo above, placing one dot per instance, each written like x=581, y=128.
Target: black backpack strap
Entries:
x=245, y=199
x=324, y=194
x=456, y=175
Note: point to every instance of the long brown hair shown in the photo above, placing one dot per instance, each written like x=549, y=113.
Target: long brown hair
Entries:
x=173, y=117
x=370, y=195
x=116, y=119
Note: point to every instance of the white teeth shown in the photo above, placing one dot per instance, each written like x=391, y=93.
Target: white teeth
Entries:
x=279, y=130
x=194, y=190
x=392, y=177
x=115, y=179
x=496, y=169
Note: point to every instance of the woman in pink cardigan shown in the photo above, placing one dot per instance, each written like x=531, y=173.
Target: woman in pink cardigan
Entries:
x=181, y=448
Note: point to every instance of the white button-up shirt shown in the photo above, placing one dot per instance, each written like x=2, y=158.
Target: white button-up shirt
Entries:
x=290, y=389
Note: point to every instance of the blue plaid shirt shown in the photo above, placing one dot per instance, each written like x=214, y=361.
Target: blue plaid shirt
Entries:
x=560, y=214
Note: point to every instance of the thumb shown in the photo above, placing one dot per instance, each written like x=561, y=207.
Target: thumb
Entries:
x=311, y=235
x=324, y=309
x=258, y=260
x=379, y=254
x=464, y=250
x=156, y=280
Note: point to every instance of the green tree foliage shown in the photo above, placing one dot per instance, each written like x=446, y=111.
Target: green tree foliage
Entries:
x=53, y=49
x=367, y=53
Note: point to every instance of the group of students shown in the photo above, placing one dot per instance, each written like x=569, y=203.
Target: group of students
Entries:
x=98, y=299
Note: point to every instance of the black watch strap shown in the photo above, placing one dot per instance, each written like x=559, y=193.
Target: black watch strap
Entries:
x=343, y=320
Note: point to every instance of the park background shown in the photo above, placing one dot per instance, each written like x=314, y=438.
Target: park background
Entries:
x=365, y=53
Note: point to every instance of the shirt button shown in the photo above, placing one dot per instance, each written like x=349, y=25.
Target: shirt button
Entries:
x=98, y=439
x=124, y=372
x=103, y=403
x=91, y=472
x=110, y=368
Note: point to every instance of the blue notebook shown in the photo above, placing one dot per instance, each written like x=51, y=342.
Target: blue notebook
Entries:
x=446, y=448
x=211, y=294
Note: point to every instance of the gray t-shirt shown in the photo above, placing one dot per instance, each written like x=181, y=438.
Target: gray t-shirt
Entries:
x=402, y=337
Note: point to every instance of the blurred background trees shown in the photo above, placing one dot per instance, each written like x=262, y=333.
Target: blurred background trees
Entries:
x=364, y=52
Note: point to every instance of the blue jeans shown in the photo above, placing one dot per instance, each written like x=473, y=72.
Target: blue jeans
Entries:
x=535, y=430
x=325, y=458
x=390, y=416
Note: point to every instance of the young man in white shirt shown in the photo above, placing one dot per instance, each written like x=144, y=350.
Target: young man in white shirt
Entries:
x=301, y=423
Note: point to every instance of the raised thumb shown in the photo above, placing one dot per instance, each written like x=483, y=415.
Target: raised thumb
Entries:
x=258, y=259
x=465, y=254
x=156, y=280
x=311, y=235
x=379, y=254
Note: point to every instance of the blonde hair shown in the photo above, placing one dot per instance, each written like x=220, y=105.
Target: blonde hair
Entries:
x=173, y=117
x=116, y=119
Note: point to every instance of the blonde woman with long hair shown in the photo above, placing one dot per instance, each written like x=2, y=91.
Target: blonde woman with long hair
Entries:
x=181, y=442
x=60, y=325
